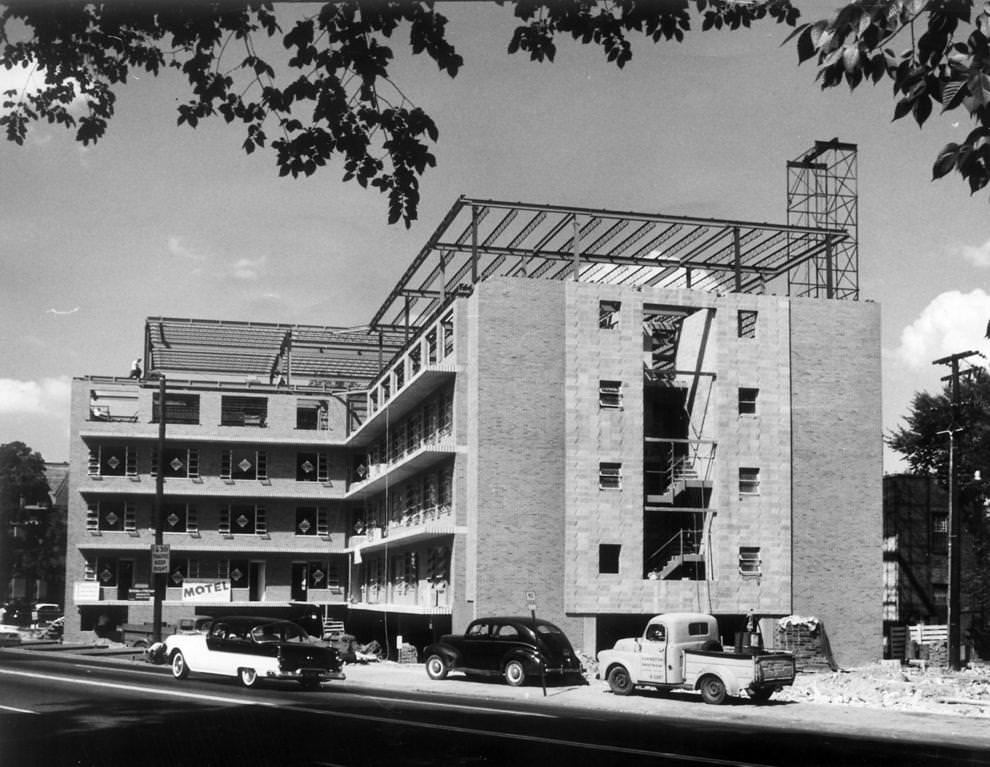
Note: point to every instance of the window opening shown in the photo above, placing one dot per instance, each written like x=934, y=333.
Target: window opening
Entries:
x=747, y=323
x=610, y=394
x=312, y=414
x=608, y=314
x=243, y=411
x=747, y=400
x=749, y=480
x=749, y=560
x=608, y=558
x=610, y=476
x=179, y=408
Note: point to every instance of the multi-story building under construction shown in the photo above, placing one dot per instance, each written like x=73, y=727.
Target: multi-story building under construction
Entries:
x=603, y=413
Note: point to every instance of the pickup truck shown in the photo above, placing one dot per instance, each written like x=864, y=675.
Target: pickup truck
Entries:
x=682, y=651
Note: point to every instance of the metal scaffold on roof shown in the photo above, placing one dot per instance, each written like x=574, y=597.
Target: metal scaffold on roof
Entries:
x=479, y=239
x=271, y=353
x=822, y=192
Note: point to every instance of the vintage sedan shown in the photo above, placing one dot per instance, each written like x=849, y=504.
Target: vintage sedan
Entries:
x=252, y=648
x=514, y=648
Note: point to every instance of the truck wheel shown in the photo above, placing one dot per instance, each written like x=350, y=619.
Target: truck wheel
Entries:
x=436, y=667
x=712, y=690
x=619, y=681
x=248, y=676
x=761, y=694
x=515, y=674
x=179, y=668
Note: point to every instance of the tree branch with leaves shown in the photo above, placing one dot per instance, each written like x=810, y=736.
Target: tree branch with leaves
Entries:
x=943, y=62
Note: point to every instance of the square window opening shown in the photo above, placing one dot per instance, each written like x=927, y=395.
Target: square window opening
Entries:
x=747, y=400
x=610, y=476
x=749, y=480
x=608, y=558
x=608, y=314
x=610, y=394
x=747, y=323
x=750, y=563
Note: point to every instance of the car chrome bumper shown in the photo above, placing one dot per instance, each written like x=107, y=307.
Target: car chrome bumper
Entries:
x=321, y=674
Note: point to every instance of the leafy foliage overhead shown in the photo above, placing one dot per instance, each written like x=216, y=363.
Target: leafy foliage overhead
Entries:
x=936, y=52
x=331, y=94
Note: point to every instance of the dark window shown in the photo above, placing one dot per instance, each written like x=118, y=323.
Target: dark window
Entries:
x=311, y=414
x=610, y=476
x=242, y=520
x=244, y=464
x=698, y=629
x=608, y=557
x=179, y=408
x=175, y=518
x=749, y=560
x=306, y=520
x=239, y=573
x=608, y=314
x=243, y=411
x=610, y=394
x=113, y=460
x=747, y=401
x=749, y=480
x=747, y=323
x=940, y=533
x=111, y=516
x=311, y=467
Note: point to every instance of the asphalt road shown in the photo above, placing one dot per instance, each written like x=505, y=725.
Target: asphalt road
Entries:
x=84, y=711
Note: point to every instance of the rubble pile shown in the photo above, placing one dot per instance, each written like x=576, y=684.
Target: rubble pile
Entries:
x=901, y=688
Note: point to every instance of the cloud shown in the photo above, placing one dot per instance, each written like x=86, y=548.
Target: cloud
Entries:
x=249, y=268
x=953, y=322
x=978, y=256
x=49, y=396
x=177, y=248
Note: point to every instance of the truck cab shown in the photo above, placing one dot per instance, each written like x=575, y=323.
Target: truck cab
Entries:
x=657, y=657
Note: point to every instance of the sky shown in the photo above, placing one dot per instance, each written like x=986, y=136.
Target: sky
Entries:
x=159, y=219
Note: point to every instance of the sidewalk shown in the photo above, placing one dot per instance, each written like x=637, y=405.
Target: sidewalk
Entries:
x=793, y=708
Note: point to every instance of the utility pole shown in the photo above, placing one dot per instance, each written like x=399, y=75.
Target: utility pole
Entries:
x=158, y=579
x=955, y=551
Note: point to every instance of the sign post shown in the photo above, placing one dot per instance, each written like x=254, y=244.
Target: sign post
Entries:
x=531, y=605
x=158, y=576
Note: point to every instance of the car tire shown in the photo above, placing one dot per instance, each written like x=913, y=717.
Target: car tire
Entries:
x=761, y=694
x=619, y=681
x=248, y=677
x=712, y=690
x=436, y=667
x=180, y=670
x=515, y=673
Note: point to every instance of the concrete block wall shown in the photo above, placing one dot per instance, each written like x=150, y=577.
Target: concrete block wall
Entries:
x=516, y=481
x=760, y=441
x=837, y=465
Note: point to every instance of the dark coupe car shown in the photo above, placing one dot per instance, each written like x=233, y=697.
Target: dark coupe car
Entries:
x=251, y=649
x=514, y=648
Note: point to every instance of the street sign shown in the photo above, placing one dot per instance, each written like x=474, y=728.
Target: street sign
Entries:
x=159, y=558
x=530, y=600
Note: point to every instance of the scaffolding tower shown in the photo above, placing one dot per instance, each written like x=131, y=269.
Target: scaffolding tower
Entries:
x=822, y=192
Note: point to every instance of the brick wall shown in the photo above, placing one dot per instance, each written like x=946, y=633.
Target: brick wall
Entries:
x=837, y=449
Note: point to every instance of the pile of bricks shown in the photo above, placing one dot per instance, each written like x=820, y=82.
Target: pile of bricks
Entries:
x=805, y=642
x=408, y=654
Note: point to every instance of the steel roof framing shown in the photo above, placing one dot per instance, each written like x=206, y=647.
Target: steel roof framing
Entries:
x=479, y=239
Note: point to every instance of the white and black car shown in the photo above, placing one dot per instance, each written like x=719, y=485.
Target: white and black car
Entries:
x=252, y=648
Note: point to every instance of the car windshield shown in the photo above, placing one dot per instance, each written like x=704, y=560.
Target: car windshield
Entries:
x=279, y=632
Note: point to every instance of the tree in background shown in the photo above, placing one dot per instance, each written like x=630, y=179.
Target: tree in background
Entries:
x=23, y=483
x=330, y=94
x=925, y=446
